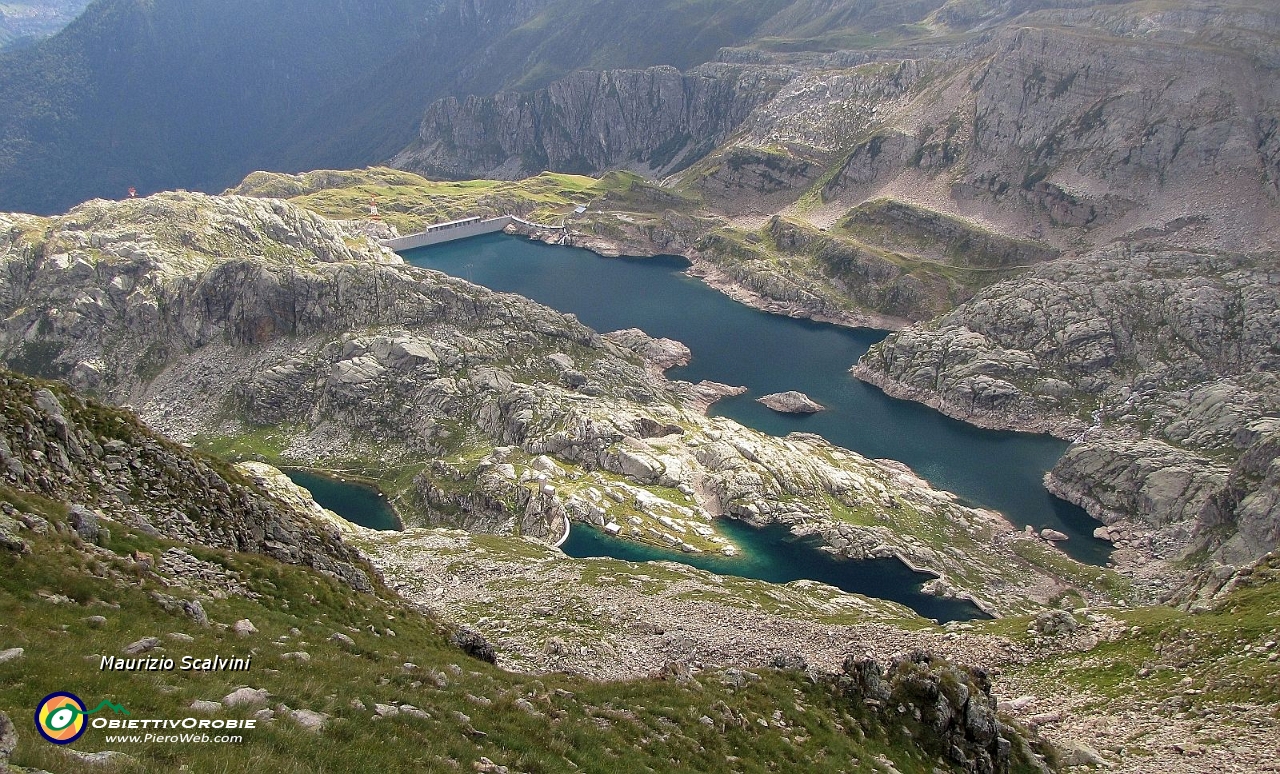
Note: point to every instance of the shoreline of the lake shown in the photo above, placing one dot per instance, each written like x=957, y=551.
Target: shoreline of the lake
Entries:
x=349, y=481
x=998, y=471
x=714, y=277
x=773, y=552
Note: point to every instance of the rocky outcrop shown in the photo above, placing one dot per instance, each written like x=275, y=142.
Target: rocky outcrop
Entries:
x=8, y=741
x=103, y=460
x=1067, y=126
x=894, y=224
x=653, y=120
x=791, y=402
x=1159, y=364
x=662, y=353
x=952, y=707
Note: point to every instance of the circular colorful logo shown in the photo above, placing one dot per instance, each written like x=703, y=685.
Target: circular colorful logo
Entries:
x=60, y=717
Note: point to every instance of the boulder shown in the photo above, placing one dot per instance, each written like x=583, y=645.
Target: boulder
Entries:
x=242, y=697
x=474, y=644
x=142, y=646
x=310, y=720
x=791, y=662
x=414, y=712
x=8, y=740
x=1052, y=623
x=191, y=608
x=84, y=521
x=1052, y=535
x=106, y=758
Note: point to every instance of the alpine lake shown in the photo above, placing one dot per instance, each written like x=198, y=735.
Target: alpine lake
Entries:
x=734, y=344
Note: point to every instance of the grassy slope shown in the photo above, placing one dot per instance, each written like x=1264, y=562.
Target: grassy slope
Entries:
x=410, y=202
x=647, y=725
x=1165, y=647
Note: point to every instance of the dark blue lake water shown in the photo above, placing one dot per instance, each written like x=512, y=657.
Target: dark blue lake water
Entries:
x=355, y=502
x=766, y=353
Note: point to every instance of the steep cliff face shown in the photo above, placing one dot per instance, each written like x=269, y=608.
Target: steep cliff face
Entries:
x=653, y=120
x=1071, y=125
x=1161, y=365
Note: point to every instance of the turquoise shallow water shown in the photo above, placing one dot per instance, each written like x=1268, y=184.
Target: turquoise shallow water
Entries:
x=772, y=553
x=766, y=353
x=358, y=503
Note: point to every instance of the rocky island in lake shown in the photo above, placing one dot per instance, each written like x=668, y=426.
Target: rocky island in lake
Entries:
x=791, y=402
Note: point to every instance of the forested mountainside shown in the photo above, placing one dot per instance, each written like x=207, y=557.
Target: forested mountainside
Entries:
x=23, y=24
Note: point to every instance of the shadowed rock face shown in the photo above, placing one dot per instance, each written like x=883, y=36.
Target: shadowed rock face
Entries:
x=1067, y=125
x=1162, y=366
x=653, y=120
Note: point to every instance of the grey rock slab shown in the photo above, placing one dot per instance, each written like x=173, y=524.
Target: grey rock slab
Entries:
x=310, y=720
x=142, y=646
x=8, y=739
x=245, y=697
x=111, y=758
x=84, y=521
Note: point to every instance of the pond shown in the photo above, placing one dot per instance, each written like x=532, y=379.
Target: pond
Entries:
x=356, y=502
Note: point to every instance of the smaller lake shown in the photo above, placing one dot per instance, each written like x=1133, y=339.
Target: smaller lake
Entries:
x=357, y=503
x=771, y=553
